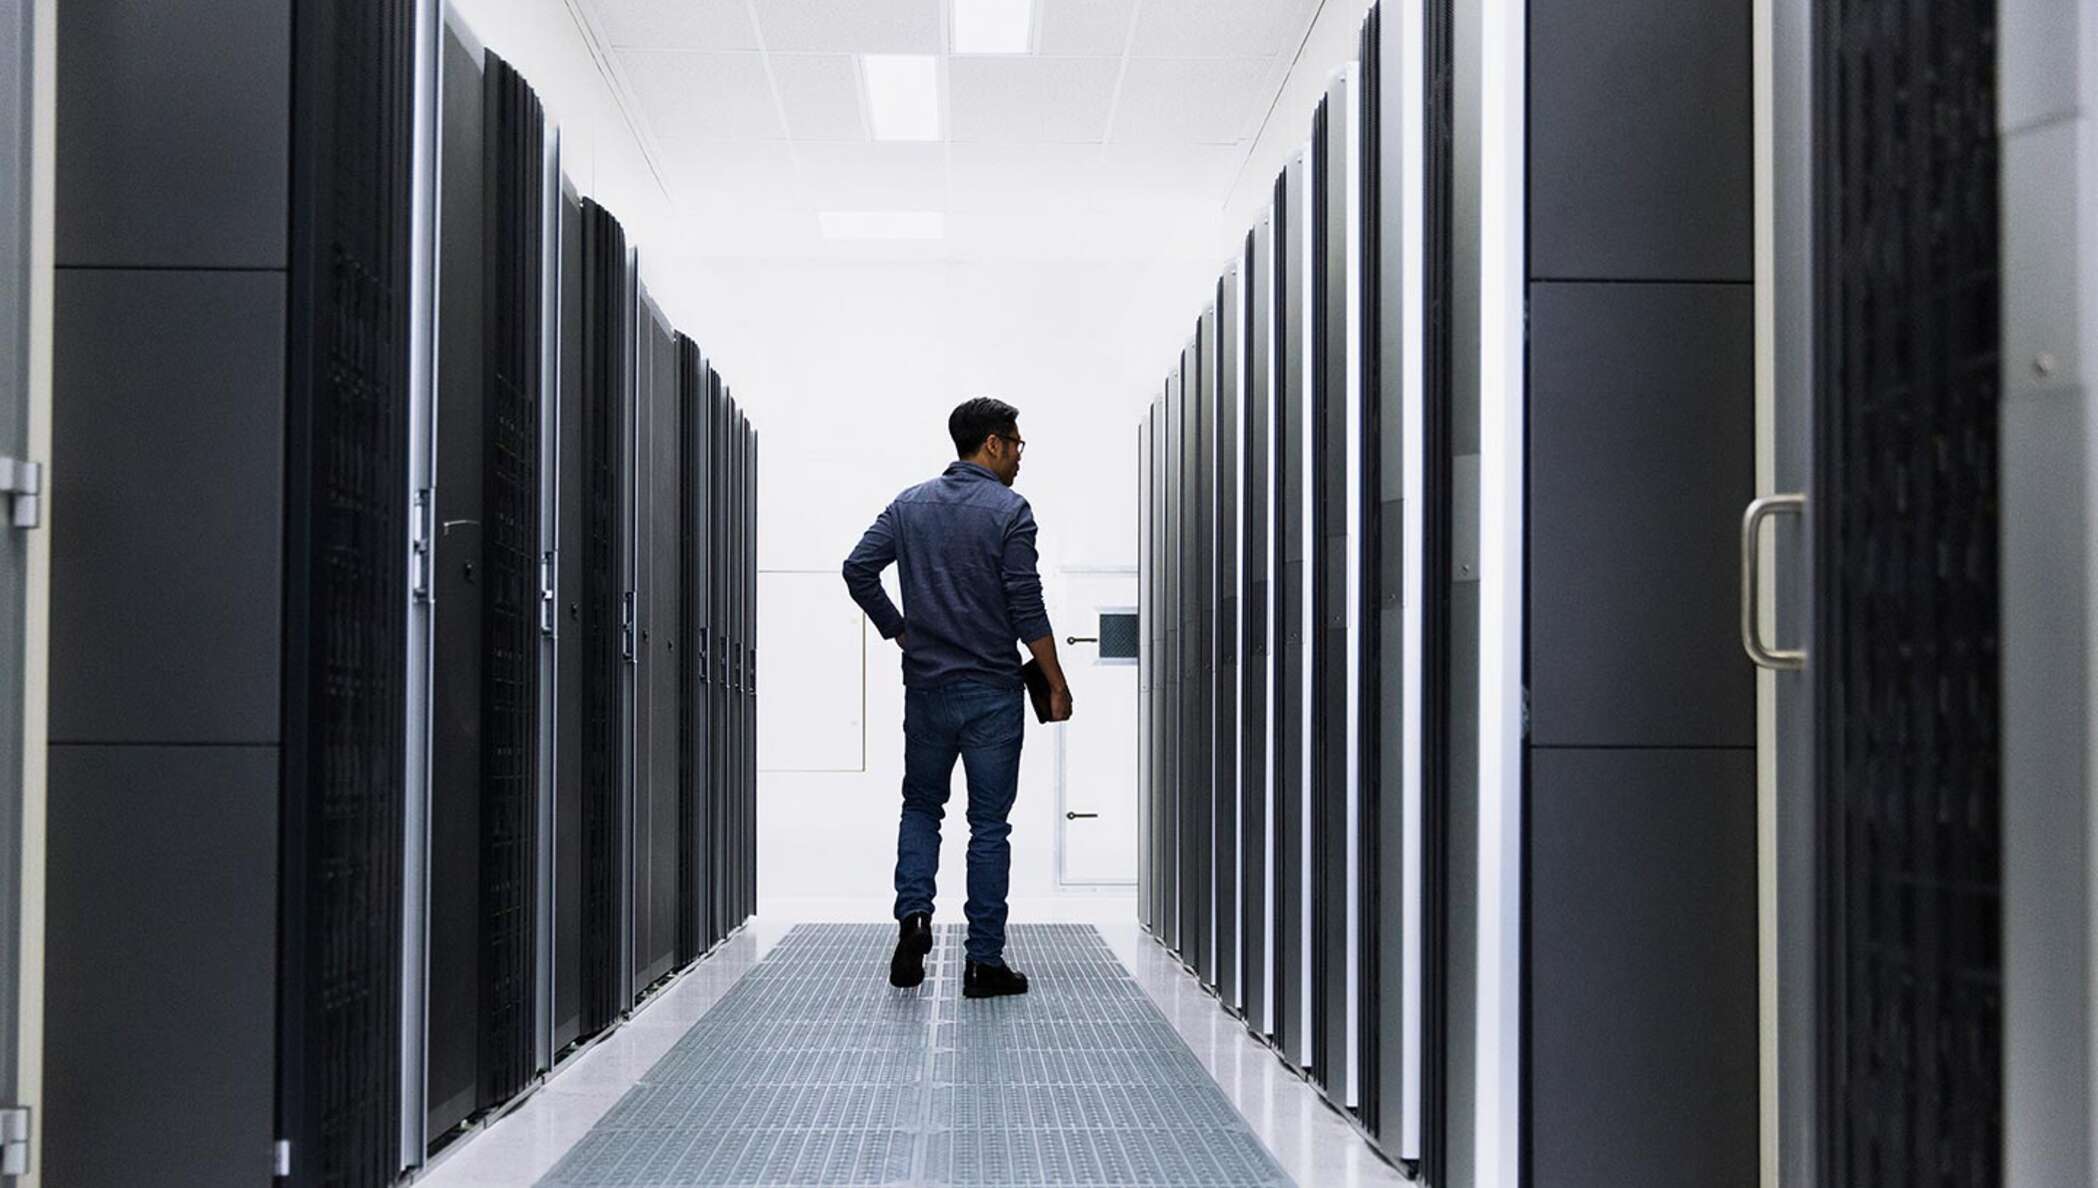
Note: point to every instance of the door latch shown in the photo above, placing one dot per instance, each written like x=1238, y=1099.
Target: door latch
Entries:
x=23, y=484
x=14, y=1141
x=1080, y=816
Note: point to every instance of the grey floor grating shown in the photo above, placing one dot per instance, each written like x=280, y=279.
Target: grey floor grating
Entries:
x=813, y=1071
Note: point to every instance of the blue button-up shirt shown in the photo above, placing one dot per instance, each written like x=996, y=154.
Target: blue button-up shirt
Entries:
x=964, y=548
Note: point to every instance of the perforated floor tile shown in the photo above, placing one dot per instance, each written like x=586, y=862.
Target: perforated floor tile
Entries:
x=813, y=1071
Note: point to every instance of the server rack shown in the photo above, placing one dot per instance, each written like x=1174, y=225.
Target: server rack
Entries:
x=1226, y=456
x=1199, y=841
x=482, y=992
x=235, y=374
x=603, y=615
x=746, y=834
x=693, y=868
x=1293, y=741
x=1146, y=610
x=574, y=662
x=1176, y=634
x=1256, y=765
x=657, y=675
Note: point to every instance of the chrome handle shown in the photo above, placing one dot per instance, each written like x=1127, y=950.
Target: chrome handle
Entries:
x=1776, y=659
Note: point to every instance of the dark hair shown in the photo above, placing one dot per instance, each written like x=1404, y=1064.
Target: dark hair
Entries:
x=975, y=420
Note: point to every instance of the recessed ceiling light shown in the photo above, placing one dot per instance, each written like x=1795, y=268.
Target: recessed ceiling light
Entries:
x=883, y=224
x=993, y=26
x=903, y=95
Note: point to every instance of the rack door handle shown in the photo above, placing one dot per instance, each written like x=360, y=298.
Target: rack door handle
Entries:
x=1080, y=816
x=1075, y=640
x=1776, y=659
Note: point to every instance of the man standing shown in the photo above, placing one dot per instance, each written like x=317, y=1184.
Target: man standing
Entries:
x=964, y=549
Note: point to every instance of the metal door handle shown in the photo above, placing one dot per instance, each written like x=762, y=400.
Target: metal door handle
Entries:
x=1080, y=816
x=1776, y=659
x=1075, y=640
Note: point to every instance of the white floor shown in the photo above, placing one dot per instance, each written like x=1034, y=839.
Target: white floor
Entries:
x=1312, y=1143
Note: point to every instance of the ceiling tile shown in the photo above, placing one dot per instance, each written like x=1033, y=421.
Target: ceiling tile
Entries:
x=852, y=26
x=1220, y=28
x=694, y=96
x=1055, y=100
x=702, y=171
x=1086, y=28
x=869, y=175
x=821, y=95
x=1009, y=176
x=679, y=24
x=1205, y=101
x=1203, y=171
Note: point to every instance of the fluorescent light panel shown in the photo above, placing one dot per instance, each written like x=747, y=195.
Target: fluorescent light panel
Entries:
x=883, y=224
x=993, y=26
x=903, y=96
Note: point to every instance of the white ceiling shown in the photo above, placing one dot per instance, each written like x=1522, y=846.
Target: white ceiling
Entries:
x=1121, y=133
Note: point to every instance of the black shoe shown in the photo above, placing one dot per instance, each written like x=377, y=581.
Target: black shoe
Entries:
x=913, y=942
x=992, y=981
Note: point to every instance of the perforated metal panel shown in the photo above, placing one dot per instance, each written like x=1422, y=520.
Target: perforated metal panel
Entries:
x=515, y=179
x=812, y=1070
x=1909, y=272
x=346, y=649
x=1120, y=634
x=605, y=321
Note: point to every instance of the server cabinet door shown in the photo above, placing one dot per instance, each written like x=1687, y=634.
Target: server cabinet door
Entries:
x=1292, y=526
x=1227, y=455
x=691, y=654
x=602, y=651
x=452, y=1073
x=1257, y=719
x=1200, y=846
x=572, y=658
x=1170, y=808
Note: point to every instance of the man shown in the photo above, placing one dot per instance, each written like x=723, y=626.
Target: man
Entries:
x=964, y=547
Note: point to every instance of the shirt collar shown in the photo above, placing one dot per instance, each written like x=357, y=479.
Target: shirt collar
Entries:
x=970, y=469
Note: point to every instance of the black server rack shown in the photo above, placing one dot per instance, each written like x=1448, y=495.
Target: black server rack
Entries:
x=231, y=311
x=1256, y=767
x=1292, y=544
x=718, y=833
x=739, y=441
x=1225, y=454
x=746, y=836
x=456, y=794
x=1154, y=692
x=1144, y=672
x=602, y=649
x=1334, y=828
x=1919, y=423
x=657, y=673
x=574, y=662
x=1199, y=840
x=483, y=880
x=1176, y=636
x=693, y=867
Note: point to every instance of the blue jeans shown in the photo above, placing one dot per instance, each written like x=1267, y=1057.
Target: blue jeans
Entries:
x=982, y=725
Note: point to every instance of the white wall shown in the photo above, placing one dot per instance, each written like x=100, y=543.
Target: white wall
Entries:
x=850, y=372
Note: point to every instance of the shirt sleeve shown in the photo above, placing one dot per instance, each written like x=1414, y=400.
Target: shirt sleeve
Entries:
x=1023, y=584
x=875, y=552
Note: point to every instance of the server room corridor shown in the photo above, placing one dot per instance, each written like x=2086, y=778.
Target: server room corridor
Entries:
x=1569, y=525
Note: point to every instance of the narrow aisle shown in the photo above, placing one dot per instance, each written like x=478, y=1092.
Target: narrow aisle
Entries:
x=810, y=1069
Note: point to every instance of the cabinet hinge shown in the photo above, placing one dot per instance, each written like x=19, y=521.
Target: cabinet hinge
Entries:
x=14, y=1141
x=23, y=484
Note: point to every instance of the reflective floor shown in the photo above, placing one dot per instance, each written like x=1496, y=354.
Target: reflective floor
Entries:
x=571, y=1128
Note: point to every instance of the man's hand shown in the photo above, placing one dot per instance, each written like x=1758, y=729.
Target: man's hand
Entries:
x=1060, y=704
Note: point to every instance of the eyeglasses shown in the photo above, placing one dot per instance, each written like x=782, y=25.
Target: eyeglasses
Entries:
x=1019, y=443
